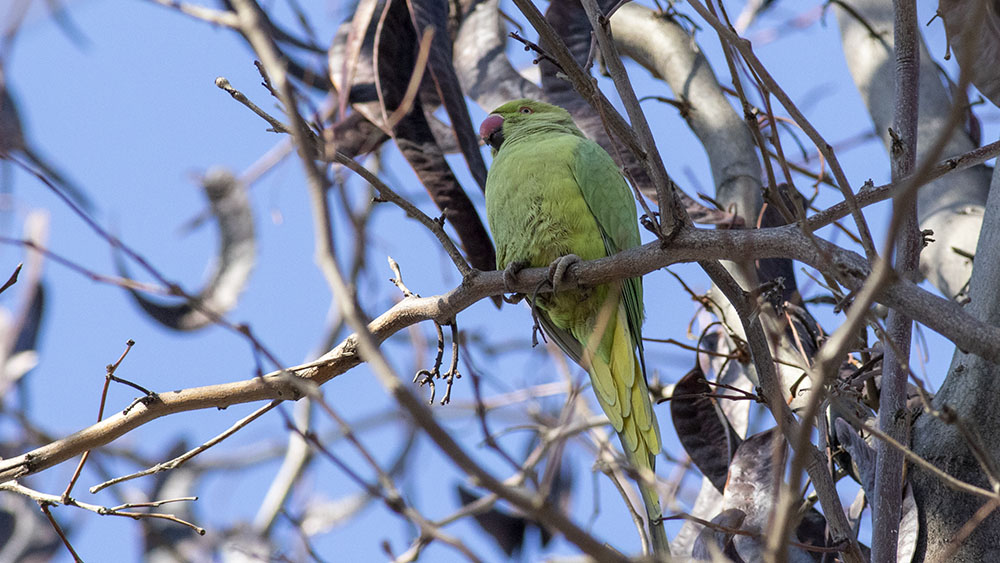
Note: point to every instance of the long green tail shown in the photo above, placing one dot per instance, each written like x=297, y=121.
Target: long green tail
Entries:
x=621, y=390
x=654, y=515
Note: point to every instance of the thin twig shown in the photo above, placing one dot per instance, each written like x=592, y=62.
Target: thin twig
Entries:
x=183, y=458
x=89, y=274
x=276, y=126
x=100, y=416
x=388, y=194
x=43, y=498
x=910, y=455
x=216, y=17
x=62, y=535
x=874, y=195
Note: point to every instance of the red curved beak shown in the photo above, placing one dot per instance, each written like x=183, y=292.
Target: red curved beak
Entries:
x=492, y=131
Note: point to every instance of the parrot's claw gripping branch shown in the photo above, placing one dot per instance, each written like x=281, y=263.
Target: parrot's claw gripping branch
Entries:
x=536, y=327
x=427, y=376
x=510, y=279
x=558, y=269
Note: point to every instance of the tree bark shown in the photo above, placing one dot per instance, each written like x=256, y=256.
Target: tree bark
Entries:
x=970, y=392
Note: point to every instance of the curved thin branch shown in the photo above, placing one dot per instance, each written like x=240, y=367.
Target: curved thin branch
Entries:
x=867, y=197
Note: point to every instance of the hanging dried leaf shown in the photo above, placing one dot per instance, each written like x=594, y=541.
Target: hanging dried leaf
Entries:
x=19, y=340
x=356, y=136
x=812, y=528
x=505, y=528
x=725, y=370
x=569, y=20
x=433, y=14
x=862, y=456
x=361, y=131
x=351, y=60
x=509, y=528
x=237, y=254
x=395, y=60
x=702, y=428
x=13, y=143
x=707, y=504
x=755, y=473
x=481, y=59
x=355, y=42
x=320, y=515
x=24, y=355
x=974, y=25
x=25, y=534
x=909, y=528
x=717, y=545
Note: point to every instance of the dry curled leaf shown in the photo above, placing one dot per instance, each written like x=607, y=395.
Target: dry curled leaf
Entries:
x=395, y=60
x=237, y=254
x=974, y=26
x=702, y=427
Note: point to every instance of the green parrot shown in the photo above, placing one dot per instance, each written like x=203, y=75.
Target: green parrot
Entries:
x=554, y=197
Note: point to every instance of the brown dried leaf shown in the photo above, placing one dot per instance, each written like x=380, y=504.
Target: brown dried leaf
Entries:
x=237, y=254
x=433, y=14
x=481, y=62
x=754, y=476
x=975, y=25
x=713, y=543
x=702, y=427
x=394, y=53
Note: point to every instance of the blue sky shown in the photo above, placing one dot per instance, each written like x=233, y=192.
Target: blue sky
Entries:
x=135, y=114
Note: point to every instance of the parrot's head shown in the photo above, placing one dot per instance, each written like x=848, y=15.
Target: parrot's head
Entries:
x=524, y=116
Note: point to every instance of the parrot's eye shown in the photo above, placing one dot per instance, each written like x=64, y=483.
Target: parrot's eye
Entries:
x=526, y=110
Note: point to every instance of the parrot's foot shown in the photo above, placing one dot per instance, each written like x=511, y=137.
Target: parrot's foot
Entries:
x=558, y=269
x=510, y=278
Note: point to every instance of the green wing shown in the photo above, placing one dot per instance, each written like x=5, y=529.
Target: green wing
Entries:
x=613, y=205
